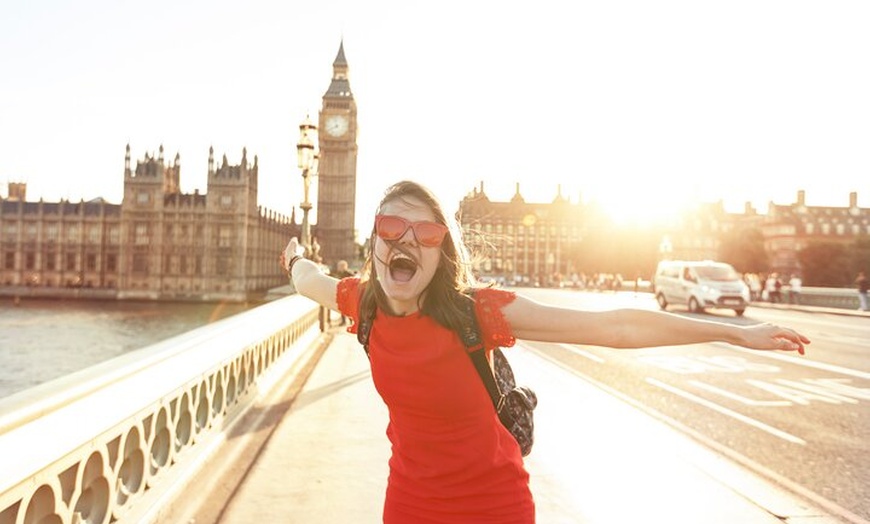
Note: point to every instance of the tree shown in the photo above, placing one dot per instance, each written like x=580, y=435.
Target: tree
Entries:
x=826, y=264
x=861, y=255
x=744, y=249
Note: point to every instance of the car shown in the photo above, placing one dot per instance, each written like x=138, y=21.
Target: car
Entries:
x=699, y=285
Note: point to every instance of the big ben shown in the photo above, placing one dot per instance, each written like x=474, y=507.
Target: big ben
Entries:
x=336, y=191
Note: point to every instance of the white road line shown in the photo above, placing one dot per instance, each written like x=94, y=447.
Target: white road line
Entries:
x=583, y=353
x=738, y=398
x=801, y=361
x=725, y=411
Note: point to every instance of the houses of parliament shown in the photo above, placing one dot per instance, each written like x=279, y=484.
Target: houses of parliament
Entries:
x=162, y=244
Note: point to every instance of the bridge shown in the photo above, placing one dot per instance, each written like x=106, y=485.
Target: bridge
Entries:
x=270, y=416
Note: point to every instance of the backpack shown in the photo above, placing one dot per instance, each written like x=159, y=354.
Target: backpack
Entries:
x=514, y=405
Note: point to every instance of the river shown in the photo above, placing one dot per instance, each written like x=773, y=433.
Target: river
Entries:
x=43, y=339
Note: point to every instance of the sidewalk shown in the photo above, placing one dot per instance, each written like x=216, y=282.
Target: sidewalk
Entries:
x=596, y=459
x=811, y=309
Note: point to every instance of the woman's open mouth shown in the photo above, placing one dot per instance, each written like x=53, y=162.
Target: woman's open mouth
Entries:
x=402, y=267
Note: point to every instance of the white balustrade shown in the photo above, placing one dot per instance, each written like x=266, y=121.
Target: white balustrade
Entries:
x=112, y=442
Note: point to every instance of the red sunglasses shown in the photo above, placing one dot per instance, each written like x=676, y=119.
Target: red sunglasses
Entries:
x=391, y=227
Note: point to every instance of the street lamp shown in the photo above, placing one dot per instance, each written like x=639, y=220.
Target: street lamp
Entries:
x=666, y=248
x=307, y=157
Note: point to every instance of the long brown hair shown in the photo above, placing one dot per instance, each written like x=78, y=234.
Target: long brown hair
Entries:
x=444, y=296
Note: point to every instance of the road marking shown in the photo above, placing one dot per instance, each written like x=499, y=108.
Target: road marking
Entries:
x=583, y=353
x=717, y=447
x=802, y=361
x=738, y=398
x=725, y=411
x=695, y=364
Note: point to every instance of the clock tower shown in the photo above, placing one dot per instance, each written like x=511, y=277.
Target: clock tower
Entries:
x=336, y=187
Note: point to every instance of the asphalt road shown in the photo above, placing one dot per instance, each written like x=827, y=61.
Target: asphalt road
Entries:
x=801, y=421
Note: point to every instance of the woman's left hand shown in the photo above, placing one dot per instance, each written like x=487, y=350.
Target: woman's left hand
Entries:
x=769, y=336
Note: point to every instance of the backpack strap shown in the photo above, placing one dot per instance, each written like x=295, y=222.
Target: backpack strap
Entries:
x=476, y=350
x=364, y=329
x=362, y=334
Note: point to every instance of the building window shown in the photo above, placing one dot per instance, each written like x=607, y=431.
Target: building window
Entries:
x=72, y=234
x=9, y=260
x=51, y=261
x=70, y=261
x=225, y=236
x=30, y=232
x=10, y=232
x=140, y=263
x=30, y=261
x=223, y=266
x=810, y=228
x=111, y=262
x=226, y=200
x=141, y=234
x=143, y=197
x=114, y=235
x=91, y=262
x=51, y=232
x=841, y=228
x=94, y=234
x=182, y=265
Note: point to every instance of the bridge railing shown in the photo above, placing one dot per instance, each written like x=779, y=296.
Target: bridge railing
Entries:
x=113, y=442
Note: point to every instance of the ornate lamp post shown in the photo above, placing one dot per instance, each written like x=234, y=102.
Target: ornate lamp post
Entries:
x=307, y=158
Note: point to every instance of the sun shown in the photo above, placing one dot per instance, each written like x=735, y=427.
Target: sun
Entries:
x=636, y=207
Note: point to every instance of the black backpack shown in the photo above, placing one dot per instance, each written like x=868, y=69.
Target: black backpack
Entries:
x=514, y=405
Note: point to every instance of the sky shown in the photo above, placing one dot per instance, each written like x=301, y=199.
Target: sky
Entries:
x=639, y=106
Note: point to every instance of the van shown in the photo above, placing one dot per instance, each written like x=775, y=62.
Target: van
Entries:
x=700, y=285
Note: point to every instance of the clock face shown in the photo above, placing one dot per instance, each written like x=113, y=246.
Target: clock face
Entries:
x=336, y=125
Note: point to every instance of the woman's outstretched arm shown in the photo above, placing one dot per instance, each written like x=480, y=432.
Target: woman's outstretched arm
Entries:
x=307, y=277
x=636, y=328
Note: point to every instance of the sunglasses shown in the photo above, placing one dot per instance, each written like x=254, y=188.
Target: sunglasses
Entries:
x=391, y=227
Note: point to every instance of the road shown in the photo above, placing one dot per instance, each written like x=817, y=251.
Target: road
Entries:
x=801, y=421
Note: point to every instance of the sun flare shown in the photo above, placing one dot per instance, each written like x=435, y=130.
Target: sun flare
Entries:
x=639, y=208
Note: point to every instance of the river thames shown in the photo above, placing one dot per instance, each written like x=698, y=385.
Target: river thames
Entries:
x=43, y=339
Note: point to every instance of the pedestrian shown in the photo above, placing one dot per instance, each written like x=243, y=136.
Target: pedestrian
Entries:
x=754, y=283
x=342, y=271
x=794, y=289
x=452, y=460
x=772, y=286
x=862, y=284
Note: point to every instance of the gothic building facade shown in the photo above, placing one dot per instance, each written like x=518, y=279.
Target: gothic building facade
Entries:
x=523, y=241
x=159, y=243
x=533, y=242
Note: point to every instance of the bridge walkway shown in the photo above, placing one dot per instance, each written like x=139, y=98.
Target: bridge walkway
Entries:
x=318, y=454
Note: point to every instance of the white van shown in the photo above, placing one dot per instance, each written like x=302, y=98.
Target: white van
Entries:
x=700, y=285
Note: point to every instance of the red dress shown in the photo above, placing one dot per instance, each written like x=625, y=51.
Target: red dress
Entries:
x=452, y=460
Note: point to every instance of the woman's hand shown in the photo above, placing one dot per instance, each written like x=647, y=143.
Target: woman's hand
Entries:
x=292, y=249
x=769, y=336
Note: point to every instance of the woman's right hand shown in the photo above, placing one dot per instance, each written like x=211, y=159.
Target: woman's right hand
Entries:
x=289, y=252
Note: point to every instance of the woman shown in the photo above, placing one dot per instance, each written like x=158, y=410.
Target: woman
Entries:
x=452, y=460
